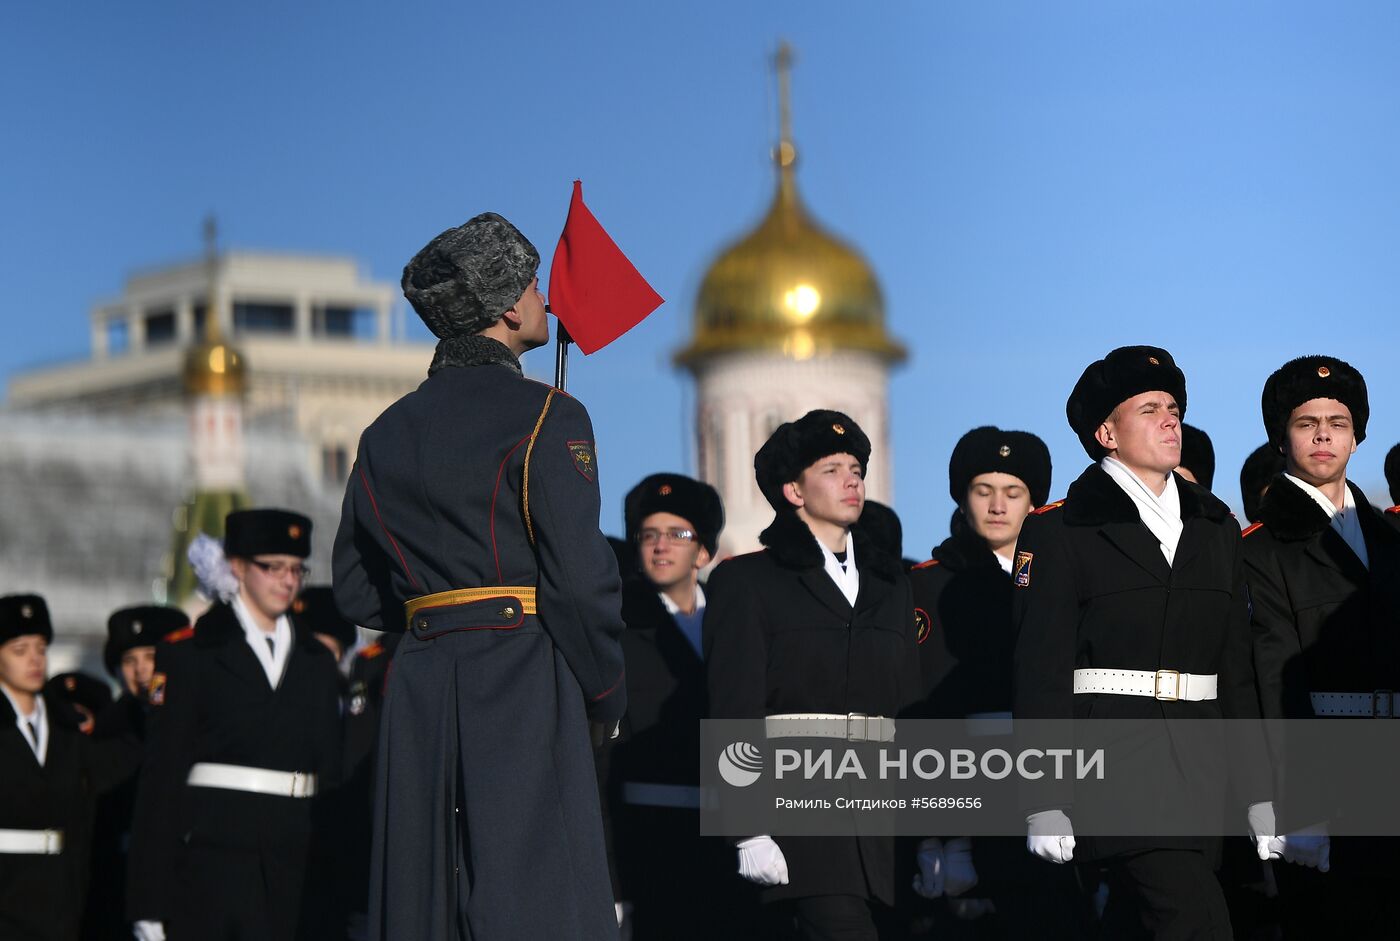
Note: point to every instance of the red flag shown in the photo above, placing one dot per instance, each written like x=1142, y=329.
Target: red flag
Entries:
x=593, y=289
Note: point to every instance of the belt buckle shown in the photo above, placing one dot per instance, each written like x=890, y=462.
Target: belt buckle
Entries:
x=1389, y=698
x=851, y=735
x=1157, y=692
x=53, y=842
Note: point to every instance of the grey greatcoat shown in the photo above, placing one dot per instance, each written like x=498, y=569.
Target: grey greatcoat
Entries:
x=487, y=818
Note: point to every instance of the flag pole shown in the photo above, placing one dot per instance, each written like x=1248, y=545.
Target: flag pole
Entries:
x=561, y=354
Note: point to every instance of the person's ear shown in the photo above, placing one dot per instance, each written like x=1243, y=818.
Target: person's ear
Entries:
x=1104, y=436
x=793, y=493
x=513, y=318
x=702, y=558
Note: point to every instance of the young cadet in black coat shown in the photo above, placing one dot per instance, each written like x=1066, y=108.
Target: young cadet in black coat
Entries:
x=962, y=603
x=130, y=658
x=818, y=622
x=50, y=776
x=1139, y=572
x=666, y=872
x=472, y=512
x=1324, y=581
x=244, y=731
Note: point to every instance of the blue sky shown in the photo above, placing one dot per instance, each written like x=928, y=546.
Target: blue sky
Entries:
x=1033, y=183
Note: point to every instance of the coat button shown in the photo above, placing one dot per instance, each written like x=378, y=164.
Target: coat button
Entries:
x=423, y=622
x=507, y=612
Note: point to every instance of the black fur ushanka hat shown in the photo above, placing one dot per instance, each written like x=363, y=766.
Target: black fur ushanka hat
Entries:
x=797, y=445
x=1313, y=377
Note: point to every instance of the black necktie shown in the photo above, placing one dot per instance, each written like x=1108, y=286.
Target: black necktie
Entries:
x=272, y=647
x=33, y=735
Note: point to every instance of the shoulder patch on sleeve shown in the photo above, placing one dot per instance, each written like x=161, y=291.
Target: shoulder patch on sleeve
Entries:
x=1048, y=507
x=922, y=625
x=155, y=689
x=184, y=633
x=584, y=461
x=926, y=565
x=1251, y=528
x=1021, y=570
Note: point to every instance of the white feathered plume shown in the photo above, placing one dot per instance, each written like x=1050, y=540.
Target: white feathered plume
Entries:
x=211, y=569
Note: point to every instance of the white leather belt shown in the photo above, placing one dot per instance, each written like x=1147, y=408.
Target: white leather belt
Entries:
x=661, y=795
x=852, y=726
x=988, y=723
x=32, y=842
x=1379, y=704
x=1166, y=685
x=252, y=780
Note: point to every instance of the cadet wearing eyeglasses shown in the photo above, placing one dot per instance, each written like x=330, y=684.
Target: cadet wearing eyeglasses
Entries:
x=244, y=732
x=661, y=867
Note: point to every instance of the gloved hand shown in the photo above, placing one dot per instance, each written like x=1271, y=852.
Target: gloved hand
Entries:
x=624, y=920
x=1310, y=846
x=957, y=862
x=1050, y=836
x=761, y=861
x=148, y=931
x=600, y=732
x=928, y=881
x=1261, y=828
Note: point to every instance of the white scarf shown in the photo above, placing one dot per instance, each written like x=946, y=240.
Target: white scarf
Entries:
x=1346, y=521
x=273, y=664
x=847, y=579
x=1161, y=515
x=40, y=720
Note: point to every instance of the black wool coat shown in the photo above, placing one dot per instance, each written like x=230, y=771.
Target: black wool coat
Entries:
x=962, y=602
x=1097, y=592
x=781, y=638
x=363, y=705
x=105, y=916
x=1322, y=622
x=211, y=702
x=660, y=740
x=482, y=478
x=682, y=885
x=42, y=897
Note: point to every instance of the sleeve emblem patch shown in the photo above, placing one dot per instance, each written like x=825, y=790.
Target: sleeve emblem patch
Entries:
x=584, y=463
x=156, y=689
x=359, y=698
x=1022, y=569
x=922, y=624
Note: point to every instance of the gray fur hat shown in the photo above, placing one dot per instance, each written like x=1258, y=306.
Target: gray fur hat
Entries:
x=467, y=277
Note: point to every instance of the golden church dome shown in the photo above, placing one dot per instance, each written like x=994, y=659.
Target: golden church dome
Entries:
x=789, y=287
x=213, y=367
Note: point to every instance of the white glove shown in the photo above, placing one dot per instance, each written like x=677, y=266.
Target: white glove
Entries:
x=624, y=920
x=928, y=881
x=1262, y=829
x=148, y=931
x=1049, y=836
x=957, y=860
x=761, y=861
x=1310, y=846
